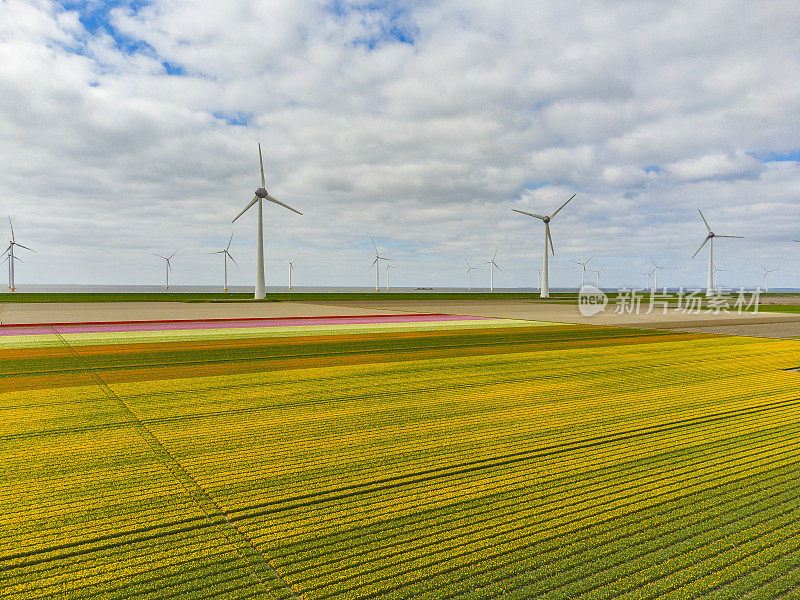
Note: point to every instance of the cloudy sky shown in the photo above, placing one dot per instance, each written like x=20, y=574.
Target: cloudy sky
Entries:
x=130, y=128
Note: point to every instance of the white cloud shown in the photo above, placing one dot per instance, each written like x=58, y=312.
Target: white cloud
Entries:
x=646, y=110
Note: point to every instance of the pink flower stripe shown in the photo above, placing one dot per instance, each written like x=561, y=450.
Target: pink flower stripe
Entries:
x=224, y=324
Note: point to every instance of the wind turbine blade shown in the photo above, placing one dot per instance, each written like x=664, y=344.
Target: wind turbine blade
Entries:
x=740, y=237
x=562, y=206
x=218, y=252
x=496, y=265
x=26, y=248
x=529, y=214
x=229, y=241
x=253, y=201
x=495, y=252
x=550, y=239
x=704, y=221
x=159, y=256
x=701, y=246
x=261, y=162
x=271, y=199
x=173, y=254
x=233, y=259
x=12, y=228
x=575, y=261
x=374, y=262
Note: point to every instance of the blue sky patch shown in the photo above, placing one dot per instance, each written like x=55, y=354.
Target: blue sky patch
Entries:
x=652, y=169
x=778, y=156
x=233, y=118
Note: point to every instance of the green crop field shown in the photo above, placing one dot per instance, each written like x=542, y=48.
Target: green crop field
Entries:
x=492, y=461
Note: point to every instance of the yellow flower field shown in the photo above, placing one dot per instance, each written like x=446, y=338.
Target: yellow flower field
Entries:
x=513, y=462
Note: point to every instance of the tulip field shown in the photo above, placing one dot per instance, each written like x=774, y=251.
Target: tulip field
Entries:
x=429, y=457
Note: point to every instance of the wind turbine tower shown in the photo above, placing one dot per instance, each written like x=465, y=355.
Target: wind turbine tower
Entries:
x=583, y=269
x=766, y=277
x=469, y=275
x=388, y=268
x=11, y=257
x=261, y=195
x=225, y=256
x=710, y=241
x=291, y=268
x=168, y=266
x=377, y=264
x=492, y=266
x=545, y=290
x=656, y=267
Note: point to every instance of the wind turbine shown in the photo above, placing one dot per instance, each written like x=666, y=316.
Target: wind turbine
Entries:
x=388, y=268
x=291, y=268
x=261, y=195
x=710, y=241
x=597, y=273
x=648, y=274
x=377, y=264
x=766, y=277
x=538, y=278
x=492, y=265
x=545, y=290
x=469, y=275
x=10, y=257
x=717, y=270
x=583, y=268
x=225, y=256
x=168, y=267
x=656, y=267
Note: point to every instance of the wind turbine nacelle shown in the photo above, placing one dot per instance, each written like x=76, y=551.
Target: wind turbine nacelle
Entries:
x=261, y=193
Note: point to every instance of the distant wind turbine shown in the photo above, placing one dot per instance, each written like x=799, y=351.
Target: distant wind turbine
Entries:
x=469, y=275
x=538, y=278
x=388, y=268
x=545, y=290
x=225, y=256
x=492, y=266
x=710, y=241
x=377, y=264
x=649, y=275
x=716, y=271
x=766, y=277
x=11, y=257
x=168, y=266
x=583, y=268
x=597, y=274
x=291, y=268
x=262, y=194
x=656, y=267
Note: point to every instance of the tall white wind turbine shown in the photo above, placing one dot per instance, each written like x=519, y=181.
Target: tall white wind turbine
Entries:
x=225, y=256
x=545, y=290
x=597, y=275
x=710, y=241
x=470, y=269
x=538, y=278
x=168, y=266
x=766, y=277
x=291, y=268
x=261, y=195
x=377, y=264
x=655, y=269
x=492, y=266
x=583, y=268
x=11, y=257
